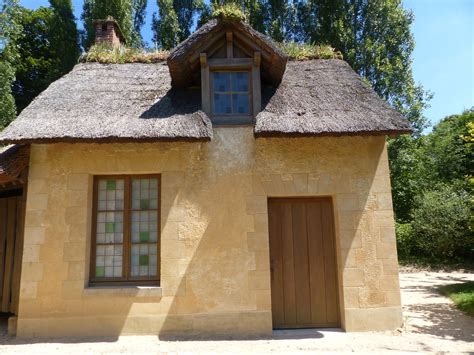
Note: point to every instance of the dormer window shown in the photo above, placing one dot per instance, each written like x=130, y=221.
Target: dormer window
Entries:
x=228, y=59
x=230, y=93
x=230, y=88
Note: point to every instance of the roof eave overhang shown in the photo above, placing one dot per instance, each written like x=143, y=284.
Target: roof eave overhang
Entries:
x=280, y=134
x=13, y=161
x=103, y=140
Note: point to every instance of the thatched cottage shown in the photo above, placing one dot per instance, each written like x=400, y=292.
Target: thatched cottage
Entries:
x=225, y=191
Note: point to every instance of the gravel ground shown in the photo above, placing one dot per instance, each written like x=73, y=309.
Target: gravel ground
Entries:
x=432, y=324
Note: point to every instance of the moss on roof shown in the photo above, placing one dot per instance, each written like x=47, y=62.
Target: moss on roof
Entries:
x=108, y=55
x=228, y=12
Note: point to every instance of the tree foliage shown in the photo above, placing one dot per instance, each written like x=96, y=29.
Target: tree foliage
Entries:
x=165, y=25
x=174, y=21
x=432, y=189
x=10, y=29
x=138, y=17
x=440, y=222
x=63, y=35
x=48, y=48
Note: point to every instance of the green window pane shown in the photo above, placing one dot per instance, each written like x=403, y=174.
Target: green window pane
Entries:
x=144, y=204
x=144, y=237
x=100, y=271
x=110, y=227
x=110, y=184
x=143, y=260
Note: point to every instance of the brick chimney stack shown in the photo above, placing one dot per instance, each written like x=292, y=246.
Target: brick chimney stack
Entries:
x=107, y=32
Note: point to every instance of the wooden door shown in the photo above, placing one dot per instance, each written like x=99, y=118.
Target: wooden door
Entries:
x=11, y=249
x=303, y=263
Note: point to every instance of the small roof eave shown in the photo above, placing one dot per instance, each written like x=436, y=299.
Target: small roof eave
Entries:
x=13, y=160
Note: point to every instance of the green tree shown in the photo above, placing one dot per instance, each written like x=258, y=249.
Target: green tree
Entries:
x=165, y=25
x=48, y=48
x=35, y=66
x=120, y=10
x=138, y=15
x=375, y=39
x=185, y=11
x=417, y=164
x=63, y=36
x=447, y=155
x=10, y=28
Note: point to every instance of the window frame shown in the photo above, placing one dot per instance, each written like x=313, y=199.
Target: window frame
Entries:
x=226, y=116
x=252, y=66
x=126, y=279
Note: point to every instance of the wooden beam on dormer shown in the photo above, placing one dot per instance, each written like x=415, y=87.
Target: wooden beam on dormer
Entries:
x=230, y=44
x=257, y=59
x=203, y=60
x=256, y=85
x=205, y=86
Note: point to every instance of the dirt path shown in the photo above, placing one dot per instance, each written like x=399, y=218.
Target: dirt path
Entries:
x=432, y=324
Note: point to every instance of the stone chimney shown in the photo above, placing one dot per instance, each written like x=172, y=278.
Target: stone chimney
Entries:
x=107, y=32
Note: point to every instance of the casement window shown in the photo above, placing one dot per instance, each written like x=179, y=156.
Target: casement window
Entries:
x=230, y=88
x=125, y=230
x=230, y=93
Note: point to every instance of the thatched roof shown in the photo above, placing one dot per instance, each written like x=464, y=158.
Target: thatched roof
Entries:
x=183, y=60
x=111, y=103
x=13, y=160
x=135, y=102
x=325, y=97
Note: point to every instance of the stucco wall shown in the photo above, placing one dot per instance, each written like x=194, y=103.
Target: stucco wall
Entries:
x=215, y=254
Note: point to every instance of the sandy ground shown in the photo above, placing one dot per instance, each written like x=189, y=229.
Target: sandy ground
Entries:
x=432, y=324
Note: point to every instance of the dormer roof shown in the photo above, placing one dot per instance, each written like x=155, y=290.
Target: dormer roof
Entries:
x=184, y=64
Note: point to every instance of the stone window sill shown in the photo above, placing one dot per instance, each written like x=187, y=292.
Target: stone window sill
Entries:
x=124, y=291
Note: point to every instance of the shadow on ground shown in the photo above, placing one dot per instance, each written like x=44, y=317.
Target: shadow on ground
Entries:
x=436, y=315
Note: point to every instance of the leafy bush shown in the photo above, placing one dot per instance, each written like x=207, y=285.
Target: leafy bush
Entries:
x=440, y=222
x=406, y=241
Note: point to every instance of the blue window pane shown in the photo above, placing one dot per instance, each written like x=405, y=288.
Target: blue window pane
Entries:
x=240, y=103
x=222, y=104
x=221, y=81
x=240, y=81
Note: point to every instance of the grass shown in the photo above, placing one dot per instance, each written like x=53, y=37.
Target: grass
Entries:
x=230, y=12
x=107, y=54
x=305, y=51
x=462, y=295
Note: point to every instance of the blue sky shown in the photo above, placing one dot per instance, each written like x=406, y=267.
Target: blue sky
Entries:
x=443, y=60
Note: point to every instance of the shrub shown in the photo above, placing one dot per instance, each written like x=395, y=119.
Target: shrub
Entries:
x=440, y=222
x=406, y=242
